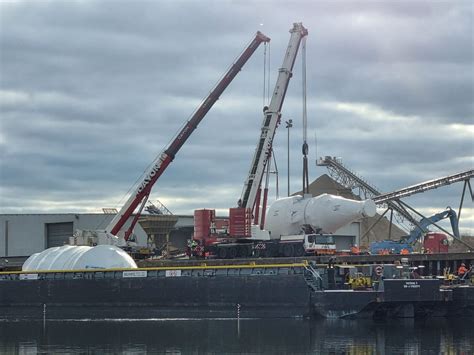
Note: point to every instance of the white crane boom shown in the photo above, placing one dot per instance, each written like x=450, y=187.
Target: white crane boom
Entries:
x=271, y=119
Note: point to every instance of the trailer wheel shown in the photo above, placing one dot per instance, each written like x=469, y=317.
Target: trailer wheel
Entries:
x=244, y=251
x=299, y=250
x=288, y=250
x=232, y=252
x=222, y=253
x=272, y=251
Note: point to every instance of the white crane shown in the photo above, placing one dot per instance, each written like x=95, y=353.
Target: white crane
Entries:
x=271, y=120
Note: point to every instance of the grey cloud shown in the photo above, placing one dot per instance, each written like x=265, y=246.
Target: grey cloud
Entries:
x=108, y=84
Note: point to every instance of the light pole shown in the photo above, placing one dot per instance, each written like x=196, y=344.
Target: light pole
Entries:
x=289, y=124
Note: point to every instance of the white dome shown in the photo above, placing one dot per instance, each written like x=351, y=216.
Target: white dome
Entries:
x=70, y=257
x=105, y=257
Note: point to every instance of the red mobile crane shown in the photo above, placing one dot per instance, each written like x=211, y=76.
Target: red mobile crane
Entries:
x=159, y=165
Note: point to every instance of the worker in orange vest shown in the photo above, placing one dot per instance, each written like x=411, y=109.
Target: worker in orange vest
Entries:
x=355, y=250
x=462, y=270
x=404, y=251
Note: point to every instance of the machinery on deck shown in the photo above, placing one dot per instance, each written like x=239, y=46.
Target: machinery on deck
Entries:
x=295, y=226
x=241, y=217
x=292, y=223
x=406, y=244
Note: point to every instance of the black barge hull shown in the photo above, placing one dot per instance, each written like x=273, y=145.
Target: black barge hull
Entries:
x=245, y=291
x=398, y=299
x=221, y=293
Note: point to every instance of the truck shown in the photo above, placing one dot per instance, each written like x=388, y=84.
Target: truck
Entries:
x=224, y=247
x=407, y=243
x=295, y=226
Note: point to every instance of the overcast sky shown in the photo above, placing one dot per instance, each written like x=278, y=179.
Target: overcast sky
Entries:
x=92, y=91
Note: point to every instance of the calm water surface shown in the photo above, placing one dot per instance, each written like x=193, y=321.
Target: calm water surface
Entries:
x=247, y=336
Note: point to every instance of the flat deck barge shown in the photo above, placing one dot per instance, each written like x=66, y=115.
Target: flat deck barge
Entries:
x=434, y=264
x=251, y=290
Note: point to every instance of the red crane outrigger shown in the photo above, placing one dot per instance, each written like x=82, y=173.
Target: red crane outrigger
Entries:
x=140, y=196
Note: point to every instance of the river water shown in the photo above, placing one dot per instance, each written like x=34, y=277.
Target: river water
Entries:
x=246, y=336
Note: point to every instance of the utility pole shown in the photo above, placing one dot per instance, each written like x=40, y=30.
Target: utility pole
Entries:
x=289, y=124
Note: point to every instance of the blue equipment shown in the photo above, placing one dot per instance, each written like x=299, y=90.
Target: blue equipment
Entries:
x=407, y=242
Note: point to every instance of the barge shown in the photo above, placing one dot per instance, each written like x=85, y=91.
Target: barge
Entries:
x=248, y=291
x=294, y=290
x=387, y=291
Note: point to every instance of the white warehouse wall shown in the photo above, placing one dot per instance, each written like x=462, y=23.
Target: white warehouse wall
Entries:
x=27, y=232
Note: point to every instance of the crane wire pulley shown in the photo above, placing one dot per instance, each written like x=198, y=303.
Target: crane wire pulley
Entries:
x=305, y=148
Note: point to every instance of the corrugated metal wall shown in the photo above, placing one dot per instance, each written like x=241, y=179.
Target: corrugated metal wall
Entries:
x=57, y=234
x=25, y=234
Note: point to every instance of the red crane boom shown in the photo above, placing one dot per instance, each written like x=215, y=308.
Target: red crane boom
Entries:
x=140, y=196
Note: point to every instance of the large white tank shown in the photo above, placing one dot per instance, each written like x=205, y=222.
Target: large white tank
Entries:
x=325, y=213
x=70, y=257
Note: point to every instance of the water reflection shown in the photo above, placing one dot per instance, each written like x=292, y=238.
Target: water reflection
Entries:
x=283, y=336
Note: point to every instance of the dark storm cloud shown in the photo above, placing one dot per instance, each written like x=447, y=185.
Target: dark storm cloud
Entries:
x=92, y=91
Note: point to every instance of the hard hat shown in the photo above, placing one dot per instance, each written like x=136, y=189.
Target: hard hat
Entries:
x=462, y=264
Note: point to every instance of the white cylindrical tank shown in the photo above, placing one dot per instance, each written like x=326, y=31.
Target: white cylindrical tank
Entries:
x=324, y=213
x=70, y=257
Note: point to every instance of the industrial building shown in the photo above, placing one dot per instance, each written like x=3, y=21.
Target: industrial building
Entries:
x=25, y=234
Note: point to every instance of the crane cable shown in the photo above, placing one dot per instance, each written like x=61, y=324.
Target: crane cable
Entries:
x=266, y=74
x=266, y=98
x=266, y=102
x=276, y=175
x=305, y=148
x=305, y=119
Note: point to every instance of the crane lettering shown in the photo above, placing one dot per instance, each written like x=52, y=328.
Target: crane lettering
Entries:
x=268, y=151
x=183, y=132
x=151, y=174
